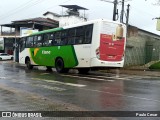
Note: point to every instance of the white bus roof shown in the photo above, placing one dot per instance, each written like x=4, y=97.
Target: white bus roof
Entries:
x=90, y=22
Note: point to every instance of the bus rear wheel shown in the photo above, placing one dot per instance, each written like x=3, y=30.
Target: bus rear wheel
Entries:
x=59, y=65
x=83, y=70
x=28, y=64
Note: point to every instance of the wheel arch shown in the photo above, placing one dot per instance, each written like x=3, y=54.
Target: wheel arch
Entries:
x=26, y=59
x=59, y=58
x=60, y=65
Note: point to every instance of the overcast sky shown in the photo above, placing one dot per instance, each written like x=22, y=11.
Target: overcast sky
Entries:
x=141, y=12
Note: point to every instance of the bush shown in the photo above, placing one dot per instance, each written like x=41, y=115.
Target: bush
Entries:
x=155, y=66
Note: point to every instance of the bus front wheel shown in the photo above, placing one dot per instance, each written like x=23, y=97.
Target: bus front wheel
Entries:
x=28, y=64
x=59, y=65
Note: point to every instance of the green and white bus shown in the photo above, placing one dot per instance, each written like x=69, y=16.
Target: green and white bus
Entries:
x=92, y=44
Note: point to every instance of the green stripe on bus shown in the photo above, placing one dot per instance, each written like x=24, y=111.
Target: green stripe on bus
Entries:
x=46, y=56
x=47, y=31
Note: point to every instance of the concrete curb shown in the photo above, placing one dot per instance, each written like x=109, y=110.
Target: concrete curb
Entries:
x=140, y=72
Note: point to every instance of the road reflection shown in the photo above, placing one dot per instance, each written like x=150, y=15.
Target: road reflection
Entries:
x=109, y=97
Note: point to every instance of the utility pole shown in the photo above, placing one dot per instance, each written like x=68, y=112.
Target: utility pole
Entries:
x=122, y=12
x=127, y=17
x=115, y=10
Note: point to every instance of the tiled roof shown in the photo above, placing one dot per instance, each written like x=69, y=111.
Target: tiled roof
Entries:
x=39, y=21
x=55, y=14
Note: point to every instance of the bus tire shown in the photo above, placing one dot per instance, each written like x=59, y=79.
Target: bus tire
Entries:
x=59, y=65
x=83, y=70
x=28, y=64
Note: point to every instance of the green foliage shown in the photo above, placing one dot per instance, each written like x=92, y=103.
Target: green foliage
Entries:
x=155, y=66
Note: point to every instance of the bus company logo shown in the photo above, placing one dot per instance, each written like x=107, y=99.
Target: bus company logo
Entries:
x=35, y=51
x=46, y=52
x=6, y=114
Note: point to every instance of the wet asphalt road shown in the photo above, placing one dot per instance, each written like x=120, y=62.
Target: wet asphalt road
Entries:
x=24, y=90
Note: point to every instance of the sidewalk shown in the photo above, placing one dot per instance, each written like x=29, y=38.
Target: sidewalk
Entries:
x=137, y=70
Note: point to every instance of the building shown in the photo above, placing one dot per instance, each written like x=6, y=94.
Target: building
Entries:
x=24, y=27
x=51, y=15
x=69, y=17
x=20, y=28
x=142, y=47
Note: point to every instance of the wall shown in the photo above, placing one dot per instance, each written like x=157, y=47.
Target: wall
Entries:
x=51, y=16
x=70, y=20
x=142, y=47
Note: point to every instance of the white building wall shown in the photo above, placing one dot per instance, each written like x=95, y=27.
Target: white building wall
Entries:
x=70, y=20
x=51, y=16
x=65, y=20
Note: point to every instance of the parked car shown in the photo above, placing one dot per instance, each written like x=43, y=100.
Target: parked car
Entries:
x=5, y=56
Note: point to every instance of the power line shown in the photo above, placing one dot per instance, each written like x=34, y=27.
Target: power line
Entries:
x=115, y=11
x=28, y=6
x=48, y=8
x=107, y=1
x=141, y=10
x=19, y=9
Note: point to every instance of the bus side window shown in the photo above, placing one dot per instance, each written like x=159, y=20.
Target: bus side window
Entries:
x=64, y=37
x=35, y=41
x=39, y=41
x=79, y=40
x=79, y=35
x=51, y=39
x=29, y=42
x=71, y=36
x=88, y=34
x=57, y=40
x=46, y=40
x=80, y=31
